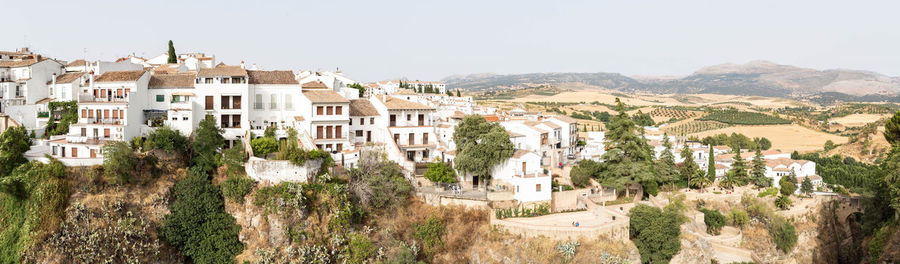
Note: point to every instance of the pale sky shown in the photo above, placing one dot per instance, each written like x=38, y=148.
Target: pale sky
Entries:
x=429, y=40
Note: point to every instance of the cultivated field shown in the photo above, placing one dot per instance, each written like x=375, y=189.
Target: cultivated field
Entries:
x=857, y=120
x=784, y=137
x=740, y=102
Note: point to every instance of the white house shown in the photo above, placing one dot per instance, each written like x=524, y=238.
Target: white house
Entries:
x=410, y=125
x=171, y=101
x=24, y=90
x=326, y=116
x=222, y=91
x=523, y=175
x=364, y=120
x=277, y=102
x=569, y=136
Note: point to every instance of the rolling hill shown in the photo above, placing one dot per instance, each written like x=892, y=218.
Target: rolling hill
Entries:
x=756, y=78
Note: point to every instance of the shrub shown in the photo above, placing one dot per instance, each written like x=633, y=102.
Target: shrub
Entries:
x=783, y=233
x=236, y=187
x=263, y=146
x=283, y=197
x=205, y=145
x=714, y=221
x=34, y=197
x=234, y=159
x=879, y=238
x=378, y=183
x=166, y=139
x=783, y=202
x=440, y=172
x=655, y=233
x=198, y=224
x=771, y=191
x=429, y=233
x=787, y=187
x=361, y=249
x=739, y=217
x=119, y=162
x=14, y=142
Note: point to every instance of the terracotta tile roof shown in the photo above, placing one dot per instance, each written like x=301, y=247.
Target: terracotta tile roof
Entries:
x=120, y=76
x=77, y=63
x=492, y=118
x=272, y=77
x=315, y=85
x=514, y=134
x=772, y=152
x=362, y=107
x=17, y=63
x=327, y=96
x=299, y=118
x=166, y=69
x=44, y=101
x=222, y=70
x=67, y=77
x=405, y=92
x=520, y=153
x=394, y=103
x=182, y=80
x=565, y=119
x=551, y=124
x=721, y=167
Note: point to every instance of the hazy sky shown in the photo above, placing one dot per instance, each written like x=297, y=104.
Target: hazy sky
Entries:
x=374, y=40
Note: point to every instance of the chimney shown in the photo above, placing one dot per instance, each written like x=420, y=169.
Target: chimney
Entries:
x=242, y=64
x=91, y=84
x=54, y=80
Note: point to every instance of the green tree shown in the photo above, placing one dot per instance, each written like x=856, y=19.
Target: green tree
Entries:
x=714, y=221
x=689, y=167
x=206, y=144
x=440, y=172
x=783, y=233
x=783, y=202
x=457, y=93
x=14, y=142
x=234, y=159
x=198, y=224
x=628, y=160
x=765, y=144
x=729, y=181
x=263, y=146
x=739, y=217
x=739, y=167
x=892, y=129
x=167, y=139
x=665, y=166
x=378, y=183
x=655, y=233
x=119, y=162
x=358, y=87
x=700, y=181
x=787, y=187
x=829, y=145
x=481, y=146
x=806, y=187
x=172, y=57
x=758, y=170
x=711, y=165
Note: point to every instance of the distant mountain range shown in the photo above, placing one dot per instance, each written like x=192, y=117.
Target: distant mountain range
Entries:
x=756, y=78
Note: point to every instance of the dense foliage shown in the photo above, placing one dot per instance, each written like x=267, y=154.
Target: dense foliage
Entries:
x=735, y=117
x=714, y=221
x=481, y=145
x=14, y=142
x=198, y=224
x=629, y=158
x=642, y=119
x=119, y=162
x=440, y=172
x=68, y=115
x=263, y=146
x=737, y=141
x=655, y=233
x=167, y=139
x=206, y=144
x=377, y=183
x=32, y=200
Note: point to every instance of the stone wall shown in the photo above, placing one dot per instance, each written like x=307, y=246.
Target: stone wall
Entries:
x=616, y=230
x=568, y=200
x=276, y=171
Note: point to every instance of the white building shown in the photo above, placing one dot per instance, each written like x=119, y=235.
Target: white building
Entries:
x=171, y=101
x=277, y=102
x=222, y=91
x=111, y=110
x=24, y=90
x=523, y=175
x=364, y=120
x=594, y=146
x=569, y=136
x=326, y=117
x=409, y=125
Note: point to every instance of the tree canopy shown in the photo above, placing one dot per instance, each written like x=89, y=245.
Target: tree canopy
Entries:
x=629, y=158
x=172, y=57
x=655, y=233
x=481, y=145
x=206, y=144
x=14, y=142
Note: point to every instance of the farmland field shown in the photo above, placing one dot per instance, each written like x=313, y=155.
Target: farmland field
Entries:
x=744, y=118
x=856, y=120
x=693, y=127
x=783, y=137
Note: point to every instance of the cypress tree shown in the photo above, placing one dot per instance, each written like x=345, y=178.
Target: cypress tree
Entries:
x=457, y=93
x=711, y=166
x=172, y=58
x=758, y=170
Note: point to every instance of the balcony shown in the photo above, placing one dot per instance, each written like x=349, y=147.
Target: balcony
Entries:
x=102, y=121
x=43, y=114
x=89, y=98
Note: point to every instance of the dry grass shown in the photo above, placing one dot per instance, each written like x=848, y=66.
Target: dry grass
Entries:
x=786, y=138
x=858, y=120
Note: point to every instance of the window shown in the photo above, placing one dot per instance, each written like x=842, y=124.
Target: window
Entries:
x=337, y=110
x=160, y=98
x=396, y=138
x=537, y=188
x=319, y=133
x=425, y=138
x=184, y=118
x=236, y=102
x=209, y=102
x=273, y=101
x=84, y=113
x=339, y=147
x=337, y=132
x=329, y=110
x=412, y=139
x=257, y=104
x=320, y=110
x=408, y=117
x=329, y=132
x=236, y=121
x=371, y=120
x=362, y=121
x=225, y=103
x=223, y=121
x=208, y=80
x=359, y=133
x=288, y=102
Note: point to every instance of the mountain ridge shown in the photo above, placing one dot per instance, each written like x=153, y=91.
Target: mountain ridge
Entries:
x=754, y=78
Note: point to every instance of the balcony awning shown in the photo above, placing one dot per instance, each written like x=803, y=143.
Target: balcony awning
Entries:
x=183, y=93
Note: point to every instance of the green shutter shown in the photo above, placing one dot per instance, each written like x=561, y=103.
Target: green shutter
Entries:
x=160, y=98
